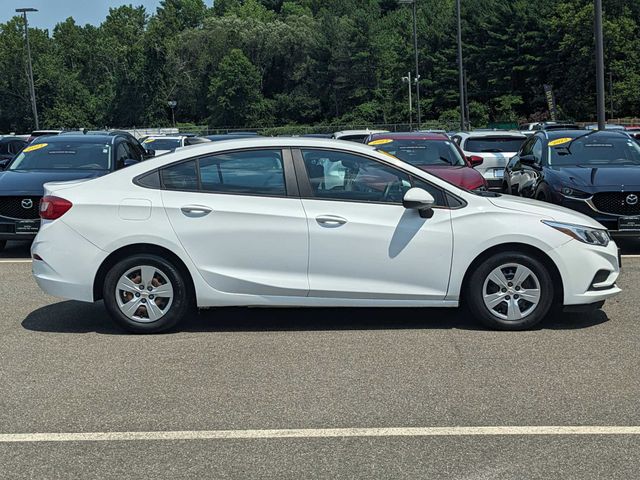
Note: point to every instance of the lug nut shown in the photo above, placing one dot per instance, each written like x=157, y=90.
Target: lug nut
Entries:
x=149, y=288
x=516, y=296
x=144, y=300
x=518, y=289
x=510, y=284
x=504, y=290
x=507, y=297
x=141, y=287
x=137, y=294
x=150, y=297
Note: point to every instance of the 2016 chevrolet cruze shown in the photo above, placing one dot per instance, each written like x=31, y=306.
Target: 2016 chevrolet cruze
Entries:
x=311, y=222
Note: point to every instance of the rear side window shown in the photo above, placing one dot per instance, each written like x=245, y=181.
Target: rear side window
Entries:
x=258, y=172
x=493, y=144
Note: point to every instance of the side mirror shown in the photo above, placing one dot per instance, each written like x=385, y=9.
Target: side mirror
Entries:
x=148, y=153
x=475, y=160
x=128, y=162
x=3, y=163
x=529, y=160
x=419, y=199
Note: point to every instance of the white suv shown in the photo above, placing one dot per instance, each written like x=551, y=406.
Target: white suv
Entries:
x=495, y=148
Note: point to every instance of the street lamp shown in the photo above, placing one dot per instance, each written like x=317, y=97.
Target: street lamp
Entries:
x=32, y=90
x=415, y=48
x=599, y=63
x=460, y=68
x=172, y=105
x=407, y=80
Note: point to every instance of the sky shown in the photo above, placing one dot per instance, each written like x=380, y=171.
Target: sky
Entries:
x=52, y=12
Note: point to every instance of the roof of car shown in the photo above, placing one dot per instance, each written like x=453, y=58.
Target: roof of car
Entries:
x=345, y=133
x=410, y=136
x=76, y=138
x=492, y=133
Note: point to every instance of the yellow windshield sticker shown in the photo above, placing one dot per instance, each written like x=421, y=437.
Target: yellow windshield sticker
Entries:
x=35, y=147
x=149, y=140
x=382, y=141
x=559, y=141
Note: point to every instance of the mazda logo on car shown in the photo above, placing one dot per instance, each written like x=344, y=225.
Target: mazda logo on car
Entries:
x=27, y=203
x=632, y=199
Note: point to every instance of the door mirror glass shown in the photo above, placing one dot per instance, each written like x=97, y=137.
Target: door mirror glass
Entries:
x=418, y=199
x=528, y=160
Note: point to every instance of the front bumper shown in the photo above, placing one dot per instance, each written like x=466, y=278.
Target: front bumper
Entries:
x=579, y=263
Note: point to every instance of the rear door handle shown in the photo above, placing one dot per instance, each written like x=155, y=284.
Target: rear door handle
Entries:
x=195, y=211
x=331, y=220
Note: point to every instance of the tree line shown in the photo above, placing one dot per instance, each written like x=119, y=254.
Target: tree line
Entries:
x=262, y=63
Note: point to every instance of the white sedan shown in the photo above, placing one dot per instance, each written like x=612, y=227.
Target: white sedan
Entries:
x=263, y=222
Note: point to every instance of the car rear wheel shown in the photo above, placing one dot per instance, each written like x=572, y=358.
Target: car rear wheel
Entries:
x=146, y=294
x=510, y=291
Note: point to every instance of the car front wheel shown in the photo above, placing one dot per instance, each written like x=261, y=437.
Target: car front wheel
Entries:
x=146, y=294
x=510, y=291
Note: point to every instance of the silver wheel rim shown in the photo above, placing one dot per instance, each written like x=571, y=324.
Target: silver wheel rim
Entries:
x=511, y=292
x=144, y=294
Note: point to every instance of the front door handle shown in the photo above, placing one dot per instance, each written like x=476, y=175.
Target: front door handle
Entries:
x=195, y=211
x=331, y=220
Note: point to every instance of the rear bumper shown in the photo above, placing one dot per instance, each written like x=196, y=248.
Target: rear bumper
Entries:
x=68, y=265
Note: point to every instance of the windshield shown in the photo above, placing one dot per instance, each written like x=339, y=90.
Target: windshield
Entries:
x=493, y=144
x=421, y=152
x=162, y=143
x=594, y=150
x=64, y=155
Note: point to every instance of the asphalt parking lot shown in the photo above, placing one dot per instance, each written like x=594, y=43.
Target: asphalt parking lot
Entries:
x=64, y=368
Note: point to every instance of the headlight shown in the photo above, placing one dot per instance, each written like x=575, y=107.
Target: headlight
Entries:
x=591, y=236
x=573, y=193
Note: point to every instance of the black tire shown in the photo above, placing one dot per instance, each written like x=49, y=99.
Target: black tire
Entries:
x=543, y=194
x=181, y=305
x=3, y=243
x=475, y=290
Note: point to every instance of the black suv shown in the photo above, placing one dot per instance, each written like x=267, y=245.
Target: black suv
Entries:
x=594, y=172
x=53, y=159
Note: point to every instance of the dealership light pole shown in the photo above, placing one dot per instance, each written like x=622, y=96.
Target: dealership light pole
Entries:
x=172, y=105
x=460, y=68
x=415, y=49
x=599, y=64
x=32, y=90
x=407, y=80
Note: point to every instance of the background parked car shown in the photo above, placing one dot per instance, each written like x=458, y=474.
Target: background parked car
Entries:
x=358, y=136
x=55, y=159
x=9, y=147
x=495, y=148
x=434, y=153
x=168, y=143
x=41, y=133
x=594, y=172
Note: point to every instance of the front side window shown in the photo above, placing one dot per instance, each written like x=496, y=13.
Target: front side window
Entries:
x=180, y=176
x=537, y=150
x=343, y=176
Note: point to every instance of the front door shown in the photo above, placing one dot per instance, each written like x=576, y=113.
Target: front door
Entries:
x=363, y=243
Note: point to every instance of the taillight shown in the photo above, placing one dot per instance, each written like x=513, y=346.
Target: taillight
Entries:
x=53, y=207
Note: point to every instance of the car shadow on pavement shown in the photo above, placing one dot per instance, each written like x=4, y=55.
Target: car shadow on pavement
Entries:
x=78, y=317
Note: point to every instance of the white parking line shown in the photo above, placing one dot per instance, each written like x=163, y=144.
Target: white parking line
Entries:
x=15, y=260
x=318, y=433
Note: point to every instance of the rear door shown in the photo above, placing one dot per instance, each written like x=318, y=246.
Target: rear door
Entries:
x=363, y=243
x=239, y=218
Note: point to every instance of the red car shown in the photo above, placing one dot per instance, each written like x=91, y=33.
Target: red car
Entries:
x=434, y=153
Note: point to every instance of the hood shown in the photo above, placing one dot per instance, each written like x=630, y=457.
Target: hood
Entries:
x=463, y=176
x=603, y=176
x=31, y=182
x=547, y=211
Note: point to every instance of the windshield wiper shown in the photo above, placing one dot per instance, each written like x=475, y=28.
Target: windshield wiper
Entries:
x=568, y=147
